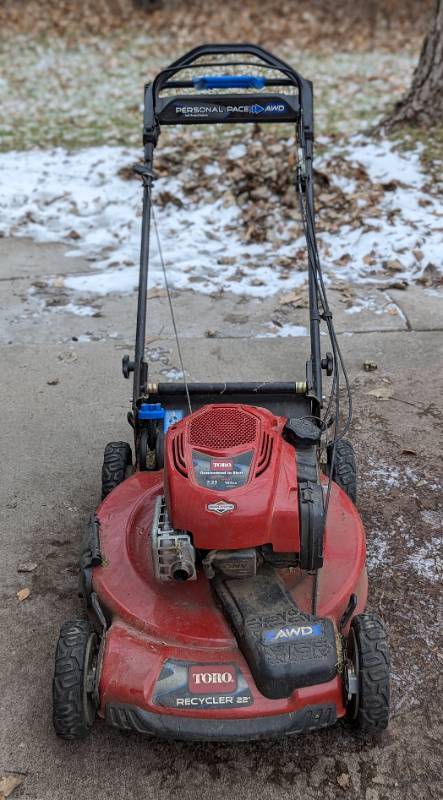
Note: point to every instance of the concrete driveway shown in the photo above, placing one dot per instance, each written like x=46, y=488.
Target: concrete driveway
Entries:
x=63, y=398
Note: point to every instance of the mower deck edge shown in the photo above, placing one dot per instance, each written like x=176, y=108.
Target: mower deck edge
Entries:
x=129, y=717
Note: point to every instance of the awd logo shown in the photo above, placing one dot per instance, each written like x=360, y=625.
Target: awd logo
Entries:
x=291, y=634
x=271, y=108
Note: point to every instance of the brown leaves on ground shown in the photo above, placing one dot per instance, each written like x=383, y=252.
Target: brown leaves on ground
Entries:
x=8, y=783
x=347, y=24
x=260, y=180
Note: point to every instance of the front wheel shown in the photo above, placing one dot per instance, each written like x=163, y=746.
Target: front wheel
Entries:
x=73, y=688
x=367, y=674
x=344, y=470
x=117, y=464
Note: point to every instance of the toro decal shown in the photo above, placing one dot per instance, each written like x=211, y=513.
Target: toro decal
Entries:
x=220, y=465
x=205, y=680
x=291, y=633
x=201, y=687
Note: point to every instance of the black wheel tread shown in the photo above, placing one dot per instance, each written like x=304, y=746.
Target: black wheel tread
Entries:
x=373, y=652
x=345, y=468
x=116, y=460
x=67, y=688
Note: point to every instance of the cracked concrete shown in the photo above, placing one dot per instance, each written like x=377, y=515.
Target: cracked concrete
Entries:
x=37, y=307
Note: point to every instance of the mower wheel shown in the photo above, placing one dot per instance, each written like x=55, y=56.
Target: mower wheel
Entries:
x=73, y=687
x=160, y=450
x=369, y=664
x=344, y=472
x=117, y=464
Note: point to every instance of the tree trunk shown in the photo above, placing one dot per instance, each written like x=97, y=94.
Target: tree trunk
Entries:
x=423, y=103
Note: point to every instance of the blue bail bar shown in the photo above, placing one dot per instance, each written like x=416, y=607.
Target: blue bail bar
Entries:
x=229, y=82
x=151, y=411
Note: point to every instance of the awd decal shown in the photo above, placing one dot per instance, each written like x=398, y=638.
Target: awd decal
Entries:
x=291, y=633
x=271, y=108
x=201, y=686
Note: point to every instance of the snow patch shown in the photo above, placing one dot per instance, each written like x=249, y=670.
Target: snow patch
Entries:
x=284, y=330
x=80, y=199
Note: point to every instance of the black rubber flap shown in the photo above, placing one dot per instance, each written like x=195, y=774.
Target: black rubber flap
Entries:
x=285, y=647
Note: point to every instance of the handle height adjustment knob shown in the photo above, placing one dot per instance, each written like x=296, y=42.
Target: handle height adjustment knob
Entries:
x=327, y=363
x=127, y=366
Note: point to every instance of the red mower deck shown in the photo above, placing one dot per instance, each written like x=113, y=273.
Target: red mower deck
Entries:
x=179, y=623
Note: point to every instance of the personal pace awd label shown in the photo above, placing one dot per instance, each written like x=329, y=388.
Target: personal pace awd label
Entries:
x=184, y=685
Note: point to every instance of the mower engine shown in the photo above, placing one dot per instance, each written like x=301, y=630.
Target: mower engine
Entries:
x=231, y=497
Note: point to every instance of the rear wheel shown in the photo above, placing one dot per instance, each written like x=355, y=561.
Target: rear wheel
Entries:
x=367, y=674
x=73, y=688
x=344, y=471
x=117, y=463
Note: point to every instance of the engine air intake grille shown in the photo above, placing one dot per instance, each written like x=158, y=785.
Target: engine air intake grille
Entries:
x=264, y=458
x=220, y=428
x=179, y=455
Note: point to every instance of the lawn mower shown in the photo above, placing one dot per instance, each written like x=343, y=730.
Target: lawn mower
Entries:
x=224, y=571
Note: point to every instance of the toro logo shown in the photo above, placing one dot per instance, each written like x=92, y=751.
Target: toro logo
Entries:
x=218, y=465
x=209, y=679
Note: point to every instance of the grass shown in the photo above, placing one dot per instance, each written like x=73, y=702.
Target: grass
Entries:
x=430, y=142
x=91, y=93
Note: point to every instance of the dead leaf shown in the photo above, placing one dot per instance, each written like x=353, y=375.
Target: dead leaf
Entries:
x=165, y=197
x=27, y=566
x=23, y=594
x=398, y=285
x=296, y=297
x=394, y=265
x=407, y=452
x=156, y=292
x=370, y=366
x=58, y=283
x=383, y=393
x=8, y=783
x=343, y=780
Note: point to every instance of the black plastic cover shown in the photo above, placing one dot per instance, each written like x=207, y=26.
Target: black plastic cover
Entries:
x=90, y=556
x=174, y=726
x=285, y=647
x=301, y=432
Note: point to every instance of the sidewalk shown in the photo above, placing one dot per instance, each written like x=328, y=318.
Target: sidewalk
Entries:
x=63, y=398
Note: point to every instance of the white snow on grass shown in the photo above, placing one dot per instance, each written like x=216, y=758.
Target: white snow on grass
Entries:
x=411, y=220
x=78, y=198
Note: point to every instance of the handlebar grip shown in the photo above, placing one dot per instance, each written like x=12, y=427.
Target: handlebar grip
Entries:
x=229, y=82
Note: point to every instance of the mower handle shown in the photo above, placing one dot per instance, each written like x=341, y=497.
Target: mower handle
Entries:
x=191, y=109
x=163, y=111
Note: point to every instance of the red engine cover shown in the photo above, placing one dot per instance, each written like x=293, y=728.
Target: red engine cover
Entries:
x=231, y=479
